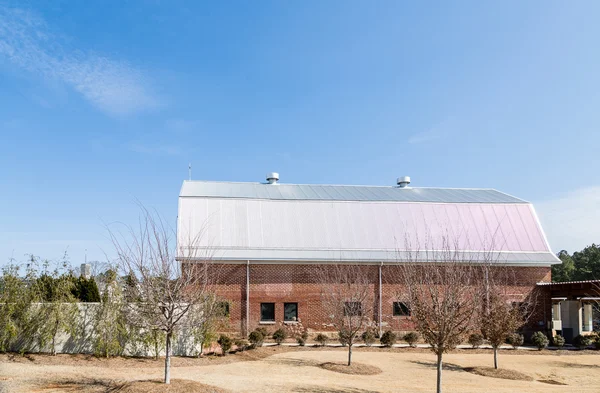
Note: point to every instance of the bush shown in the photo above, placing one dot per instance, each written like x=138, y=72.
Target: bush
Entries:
x=515, y=339
x=279, y=336
x=597, y=341
x=344, y=338
x=241, y=344
x=540, y=340
x=263, y=330
x=411, y=338
x=321, y=339
x=256, y=338
x=475, y=340
x=225, y=343
x=368, y=337
x=582, y=342
x=301, y=340
x=388, y=338
x=559, y=341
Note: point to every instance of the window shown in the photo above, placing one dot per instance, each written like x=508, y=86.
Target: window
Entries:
x=352, y=308
x=290, y=312
x=267, y=312
x=223, y=309
x=401, y=309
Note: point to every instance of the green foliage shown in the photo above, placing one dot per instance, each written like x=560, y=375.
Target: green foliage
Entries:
x=225, y=343
x=14, y=304
x=256, y=338
x=411, y=338
x=515, y=339
x=540, y=340
x=85, y=290
x=582, y=265
x=322, y=339
x=368, y=337
x=388, y=338
x=596, y=341
x=582, y=341
x=279, y=336
x=263, y=330
x=475, y=340
x=110, y=329
x=559, y=341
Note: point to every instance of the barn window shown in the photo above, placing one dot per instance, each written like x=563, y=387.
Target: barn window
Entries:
x=352, y=308
x=267, y=312
x=401, y=309
x=290, y=312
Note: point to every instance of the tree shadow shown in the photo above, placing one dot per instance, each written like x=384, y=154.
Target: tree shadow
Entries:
x=294, y=362
x=445, y=365
x=576, y=365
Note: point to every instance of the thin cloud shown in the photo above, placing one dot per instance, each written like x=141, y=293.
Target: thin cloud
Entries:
x=571, y=220
x=113, y=86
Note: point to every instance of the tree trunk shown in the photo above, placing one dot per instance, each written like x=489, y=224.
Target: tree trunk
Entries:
x=349, y=354
x=495, y=357
x=439, y=373
x=168, y=359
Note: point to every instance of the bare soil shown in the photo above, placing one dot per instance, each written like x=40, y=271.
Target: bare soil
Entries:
x=293, y=369
x=354, y=368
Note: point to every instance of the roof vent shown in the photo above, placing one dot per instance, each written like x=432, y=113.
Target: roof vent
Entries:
x=272, y=177
x=403, y=181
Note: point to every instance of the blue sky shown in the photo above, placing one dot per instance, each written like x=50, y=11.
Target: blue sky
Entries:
x=103, y=103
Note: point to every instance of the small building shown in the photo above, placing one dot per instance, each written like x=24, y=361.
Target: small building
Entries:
x=574, y=307
x=270, y=238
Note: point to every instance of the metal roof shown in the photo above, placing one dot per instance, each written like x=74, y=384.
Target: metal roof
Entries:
x=322, y=192
x=570, y=282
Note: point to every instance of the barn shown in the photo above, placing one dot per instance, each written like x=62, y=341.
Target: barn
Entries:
x=270, y=237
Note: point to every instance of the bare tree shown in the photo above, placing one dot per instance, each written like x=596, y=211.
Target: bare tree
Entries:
x=347, y=299
x=441, y=287
x=502, y=314
x=168, y=285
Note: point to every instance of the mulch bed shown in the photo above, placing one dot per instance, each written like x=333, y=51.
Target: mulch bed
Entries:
x=176, y=386
x=354, y=369
x=501, y=373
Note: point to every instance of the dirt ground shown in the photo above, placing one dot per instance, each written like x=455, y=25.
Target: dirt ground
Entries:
x=289, y=369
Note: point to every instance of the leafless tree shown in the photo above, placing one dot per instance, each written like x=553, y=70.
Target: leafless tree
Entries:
x=347, y=299
x=502, y=314
x=168, y=285
x=441, y=287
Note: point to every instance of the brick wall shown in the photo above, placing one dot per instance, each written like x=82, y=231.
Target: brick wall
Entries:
x=296, y=283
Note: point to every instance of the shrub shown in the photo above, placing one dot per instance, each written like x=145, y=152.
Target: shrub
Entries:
x=263, y=330
x=368, y=337
x=321, y=339
x=344, y=337
x=540, y=340
x=475, y=340
x=256, y=338
x=582, y=341
x=558, y=341
x=225, y=343
x=597, y=341
x=388, y=338
x=515, y=339
x=241, y=344
x=279, y=336
x=411, y=338
x=301, y=340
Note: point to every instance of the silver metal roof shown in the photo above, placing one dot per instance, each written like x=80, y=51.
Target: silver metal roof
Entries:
x=213, y=189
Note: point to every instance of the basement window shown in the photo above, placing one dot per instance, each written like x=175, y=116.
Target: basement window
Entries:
x=352, y=309
x=401, y=309
x=290, y=312
x=267, y=312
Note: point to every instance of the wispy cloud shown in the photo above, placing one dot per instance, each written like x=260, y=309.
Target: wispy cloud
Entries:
x=571, y=220
x=114, y=86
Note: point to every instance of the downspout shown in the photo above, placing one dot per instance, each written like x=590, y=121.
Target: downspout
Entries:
x=379, y=312
x=246, y=327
